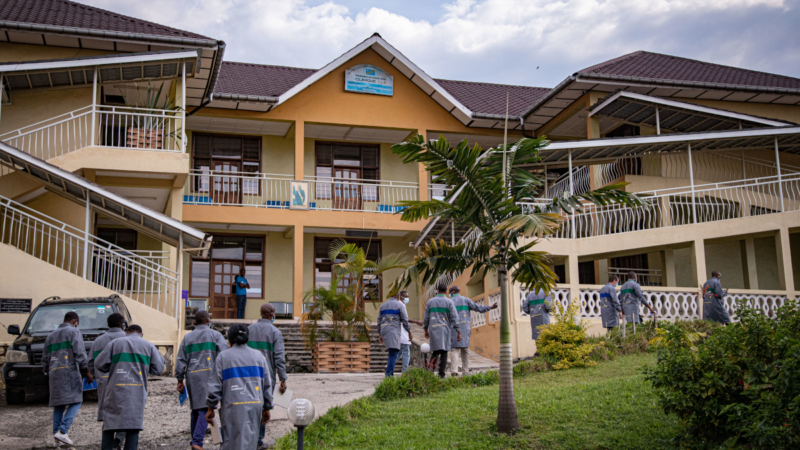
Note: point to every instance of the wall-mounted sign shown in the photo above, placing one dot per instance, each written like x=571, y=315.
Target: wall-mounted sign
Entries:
x=367, y=79
x=300, y=197
x=15, y=305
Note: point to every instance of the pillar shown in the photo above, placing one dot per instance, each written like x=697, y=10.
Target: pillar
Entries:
x=669, y=268
x=571, y=271
x=423, y=173
x=749, y=263
x=174, y=210
x=299, y=151
x=297, y=274
x=784, y=251
x=602, y=271
x=699, y=275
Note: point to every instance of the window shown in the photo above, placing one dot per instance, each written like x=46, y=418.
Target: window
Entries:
x=121, y=237
x=228, y=154
x=228, y=252
x=347, y=162
x=323, y=266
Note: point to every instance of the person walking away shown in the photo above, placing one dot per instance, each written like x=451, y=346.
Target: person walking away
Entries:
x=128, y=361
x=265, y=337
x=460, y=348
x=241, y=293
x=610, y=308
x=196, y=358
x=116, y=323
x=64, y=362
x=714, y=300
x=405, y=336
x=391, y=318
x=440, y=318
x=242, y=384
x=630, y=295
x=538, y=305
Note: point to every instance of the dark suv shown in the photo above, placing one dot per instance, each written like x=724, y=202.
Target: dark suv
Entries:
x=22, y=370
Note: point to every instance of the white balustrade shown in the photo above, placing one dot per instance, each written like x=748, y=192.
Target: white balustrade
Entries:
x=494, y=314
x=581, y=183
x=768, y=304
x=557, y=295
x=478, y=319
x=669, y=304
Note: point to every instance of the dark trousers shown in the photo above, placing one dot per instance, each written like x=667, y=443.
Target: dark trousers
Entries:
x=394, y=353
x=241, y=302
x=442, y=355
x=131, y=439
x=199, y=426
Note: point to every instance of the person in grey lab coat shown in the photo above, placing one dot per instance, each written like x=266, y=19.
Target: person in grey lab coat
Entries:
x=714, y=300
x=610, y=308
x=195, y=362
x=440, y=318
x=630, y=295
x=116, y=323
x=242, y=383
x=405, y=336
x=64, y=361
x=463, y=307
x=127, y=361
x=538, y=305
x=268, y=339
x=391, y=318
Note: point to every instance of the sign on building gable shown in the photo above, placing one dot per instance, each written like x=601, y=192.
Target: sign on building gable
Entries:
x=368, y=79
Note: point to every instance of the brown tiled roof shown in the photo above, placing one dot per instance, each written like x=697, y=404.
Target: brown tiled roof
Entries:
x=75, y=15
x=656, y=66
x=488, y=98
x=258, y=79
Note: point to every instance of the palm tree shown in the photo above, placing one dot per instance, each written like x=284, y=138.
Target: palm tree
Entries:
x=488, y=202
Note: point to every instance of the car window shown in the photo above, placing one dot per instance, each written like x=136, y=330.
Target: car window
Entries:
x=48, y=318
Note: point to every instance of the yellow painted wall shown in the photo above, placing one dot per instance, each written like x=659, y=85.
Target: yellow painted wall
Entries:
x=28, y=108
x=767, y=264
x=789, y=113
x=726, y=257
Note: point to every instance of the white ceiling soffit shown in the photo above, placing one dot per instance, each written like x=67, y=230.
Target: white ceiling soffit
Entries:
x=592, y=151
x=355, y=134
x=225, y=125
x=681, y=117
x=153, y=198
x=77, y=189
x=234, y=227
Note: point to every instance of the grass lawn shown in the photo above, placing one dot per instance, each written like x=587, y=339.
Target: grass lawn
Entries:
x=608, y=406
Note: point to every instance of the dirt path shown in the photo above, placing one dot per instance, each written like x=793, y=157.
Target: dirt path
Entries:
x=166, y=422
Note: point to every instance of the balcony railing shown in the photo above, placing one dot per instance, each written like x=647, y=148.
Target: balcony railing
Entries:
x=273, y=191
x=645, y=277
x=104, y=126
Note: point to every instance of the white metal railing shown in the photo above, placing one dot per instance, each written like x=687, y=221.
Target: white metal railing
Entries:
x=558, y=295
x=581, y=183
x=438, y=191
x=669, y=303
x=98, y=261
x=105, y=126
x=645, y=277
x=478, y=319
x=273, y=191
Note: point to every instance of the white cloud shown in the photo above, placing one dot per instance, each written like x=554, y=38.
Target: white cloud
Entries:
x=495, y=40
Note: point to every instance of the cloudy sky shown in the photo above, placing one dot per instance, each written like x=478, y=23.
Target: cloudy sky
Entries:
x=500, y=41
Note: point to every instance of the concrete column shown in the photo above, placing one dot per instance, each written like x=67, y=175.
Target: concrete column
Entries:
x=297, y=275
x=174, y=210
x=669, y=268
x=423, y=173
x=749, y=263
x=592, y=123
x=299, y=149
x=571, y=269
x=785, y=272
x=699, y=275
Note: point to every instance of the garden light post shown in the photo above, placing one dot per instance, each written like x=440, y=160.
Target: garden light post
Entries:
x=301, y=413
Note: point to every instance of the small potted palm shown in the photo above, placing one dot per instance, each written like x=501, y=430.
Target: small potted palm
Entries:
x=147, y=129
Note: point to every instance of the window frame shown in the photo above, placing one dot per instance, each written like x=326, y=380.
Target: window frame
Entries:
x=244, y=262
x=328, y=193
x=349, y=241
x=242, y=160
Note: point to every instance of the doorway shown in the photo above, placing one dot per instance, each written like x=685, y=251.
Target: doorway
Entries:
x=347, y=194
x=223, y=295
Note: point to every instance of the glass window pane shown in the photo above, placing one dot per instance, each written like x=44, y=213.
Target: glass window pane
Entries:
x=227, y=247
x=347, y=155
x=227, y=147
x=202, y=146
x=253, y=273
x=254, y=249
x=252, y=148
x=199, y=278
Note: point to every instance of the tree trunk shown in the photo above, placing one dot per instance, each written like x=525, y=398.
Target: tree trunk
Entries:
x=507, y=420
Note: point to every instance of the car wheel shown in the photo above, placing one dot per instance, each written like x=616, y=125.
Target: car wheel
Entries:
x=15, y=397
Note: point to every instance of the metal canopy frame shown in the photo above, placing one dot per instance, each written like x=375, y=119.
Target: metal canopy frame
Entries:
x=675, y=116
x=84, y=192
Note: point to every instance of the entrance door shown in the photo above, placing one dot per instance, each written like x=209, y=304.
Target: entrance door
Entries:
x=223, y=295
x=347, y=194
x=227, y=189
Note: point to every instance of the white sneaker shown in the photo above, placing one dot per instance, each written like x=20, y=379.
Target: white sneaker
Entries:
x=63, y=438
x=53, y=444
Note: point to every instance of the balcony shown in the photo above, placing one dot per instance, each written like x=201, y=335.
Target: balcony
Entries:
x=263, y=190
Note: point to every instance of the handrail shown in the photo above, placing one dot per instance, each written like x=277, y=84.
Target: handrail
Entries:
x=69, y=115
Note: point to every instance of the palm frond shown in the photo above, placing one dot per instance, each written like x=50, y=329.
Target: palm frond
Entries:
x=534, y=224
x=532, y=269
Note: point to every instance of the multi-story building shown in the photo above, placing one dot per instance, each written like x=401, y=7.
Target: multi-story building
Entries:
x=136, y=160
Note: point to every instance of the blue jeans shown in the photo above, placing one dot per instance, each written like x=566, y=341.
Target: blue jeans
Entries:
x=393, y=354
x=63, y=415
x=241, y=302
x=131, y=439
x=199, y=425
x=405, y=350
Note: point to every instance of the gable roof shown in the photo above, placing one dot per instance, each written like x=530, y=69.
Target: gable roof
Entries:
x=490, y=98
x=258, y=80
x=75, y=15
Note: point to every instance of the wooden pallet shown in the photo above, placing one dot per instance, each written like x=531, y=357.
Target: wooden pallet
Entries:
x=341, y=357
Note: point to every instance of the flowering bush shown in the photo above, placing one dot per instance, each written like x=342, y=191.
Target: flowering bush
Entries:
x=565, y=340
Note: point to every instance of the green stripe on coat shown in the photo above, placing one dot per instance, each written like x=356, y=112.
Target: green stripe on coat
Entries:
x=260, y=345
x=439, y=310
x=536, y=302
x=626, y=291
x=200, y=346
x=59, y=346
x=462, y=308
x=131, y=358
x=96, y=353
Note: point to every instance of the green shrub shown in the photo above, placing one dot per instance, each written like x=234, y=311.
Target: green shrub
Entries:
x=534, y=365
x=565, y=340
x=739, y=385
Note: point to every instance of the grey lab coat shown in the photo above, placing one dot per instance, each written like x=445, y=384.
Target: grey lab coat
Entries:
x=630, y=295
x=63, y=360
x=98, y=346
x=714, y=302
x=196, y=357
x=243, y=383
x=127, y=361
x=609, y=306
x=440, y=318
x=392, y=316
x=463, y=307
x=538, y=306
x=268, y=339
